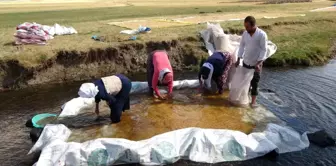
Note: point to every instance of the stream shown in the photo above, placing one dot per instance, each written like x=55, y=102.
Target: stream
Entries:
x=303, y=98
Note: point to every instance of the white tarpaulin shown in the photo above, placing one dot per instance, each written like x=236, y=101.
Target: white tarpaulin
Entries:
x=239, y=78
x=76, y=105
x=214, y=31
x=195, y=144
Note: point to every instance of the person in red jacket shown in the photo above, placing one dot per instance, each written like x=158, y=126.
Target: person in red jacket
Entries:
x=159, y=73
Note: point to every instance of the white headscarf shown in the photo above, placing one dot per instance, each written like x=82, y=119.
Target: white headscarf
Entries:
x=162, y=73
x=88, y=90
x=207, y=82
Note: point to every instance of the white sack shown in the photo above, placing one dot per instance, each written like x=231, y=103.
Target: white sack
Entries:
x=52, y=134
x=142, y=87
x=129, y=32
x=59, y=30
x=195, y=144
x=75, y=106
x=240, y=85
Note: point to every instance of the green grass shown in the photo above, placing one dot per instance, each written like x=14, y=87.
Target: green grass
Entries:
x=298, y=44
x=73, y=16
x=99, y=14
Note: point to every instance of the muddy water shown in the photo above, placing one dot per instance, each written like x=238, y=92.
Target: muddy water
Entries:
x=149, y=117
x=303, y=98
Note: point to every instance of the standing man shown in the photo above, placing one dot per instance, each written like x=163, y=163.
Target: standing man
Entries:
x=159, y=73
x=253, y=52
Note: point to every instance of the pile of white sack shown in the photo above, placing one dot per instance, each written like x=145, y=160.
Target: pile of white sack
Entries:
x=239, y=77
x=33, y=33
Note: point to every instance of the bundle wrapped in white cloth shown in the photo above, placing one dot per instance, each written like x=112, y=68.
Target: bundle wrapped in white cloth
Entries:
x=86, y=99
x=195, y=144
x=239, y=78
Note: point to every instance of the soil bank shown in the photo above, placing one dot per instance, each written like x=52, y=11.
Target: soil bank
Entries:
x=128, y=58
x=69, y=66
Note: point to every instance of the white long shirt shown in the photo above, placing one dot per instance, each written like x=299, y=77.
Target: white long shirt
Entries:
x=253, y=48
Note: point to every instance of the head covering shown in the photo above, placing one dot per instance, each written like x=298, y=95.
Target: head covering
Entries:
x=207, y=81
x=222, y=43
x=162, y=74
x=88, y=90
x=167, y=78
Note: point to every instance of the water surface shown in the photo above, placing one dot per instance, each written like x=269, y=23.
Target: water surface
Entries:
x=303, y=98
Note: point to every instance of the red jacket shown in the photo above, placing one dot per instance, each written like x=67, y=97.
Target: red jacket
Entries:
x=160, y=62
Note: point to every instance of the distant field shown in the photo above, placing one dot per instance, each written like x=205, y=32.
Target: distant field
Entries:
x=298, y=43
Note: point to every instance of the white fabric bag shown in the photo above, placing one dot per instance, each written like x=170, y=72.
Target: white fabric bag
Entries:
x=75, y=106
x=240, y=85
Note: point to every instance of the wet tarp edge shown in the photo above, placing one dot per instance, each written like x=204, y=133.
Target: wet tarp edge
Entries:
x=195, y=144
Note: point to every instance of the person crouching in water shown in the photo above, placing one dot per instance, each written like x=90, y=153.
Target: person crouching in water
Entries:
x=114, y=90
x=159, y=73
x=215, y=68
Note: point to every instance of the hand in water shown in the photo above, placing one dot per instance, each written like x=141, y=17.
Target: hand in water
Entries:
x=162, y=97
x=170, y=96
x=99, y=118
x=200, y=89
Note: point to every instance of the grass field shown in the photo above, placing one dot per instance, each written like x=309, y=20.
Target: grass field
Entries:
x=300, y=40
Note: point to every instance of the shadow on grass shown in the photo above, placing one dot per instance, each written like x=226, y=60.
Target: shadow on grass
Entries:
x=9, y=44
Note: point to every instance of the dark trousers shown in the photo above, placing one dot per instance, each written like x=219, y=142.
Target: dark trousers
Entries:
x=150, y=73
x=122, y=99
x=254, y=83
x=255, y=80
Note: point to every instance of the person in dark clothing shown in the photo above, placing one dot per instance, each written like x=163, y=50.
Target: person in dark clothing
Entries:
x=254, y=83
x=215, y=68
x=114, y=90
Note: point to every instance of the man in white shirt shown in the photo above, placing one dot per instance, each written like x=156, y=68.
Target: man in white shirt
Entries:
x=253, y=52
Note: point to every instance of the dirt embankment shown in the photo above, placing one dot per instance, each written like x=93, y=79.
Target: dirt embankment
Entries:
x=70, y=66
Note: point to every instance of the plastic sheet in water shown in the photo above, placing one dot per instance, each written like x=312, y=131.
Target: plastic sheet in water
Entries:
x=195, y=144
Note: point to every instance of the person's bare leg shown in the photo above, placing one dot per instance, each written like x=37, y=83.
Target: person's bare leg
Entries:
x=254, y=99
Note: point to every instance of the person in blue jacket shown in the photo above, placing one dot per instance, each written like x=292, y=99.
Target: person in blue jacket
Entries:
x=115, y=90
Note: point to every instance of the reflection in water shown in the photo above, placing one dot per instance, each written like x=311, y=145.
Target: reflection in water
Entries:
x=150, y=117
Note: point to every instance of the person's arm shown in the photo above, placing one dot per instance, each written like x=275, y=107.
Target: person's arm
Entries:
x=199, y=79
x=170, y=88
x=263, y=51
x=154, y=84
x=97, y=99
x=241, y=49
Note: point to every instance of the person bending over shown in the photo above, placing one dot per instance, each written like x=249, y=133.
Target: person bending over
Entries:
x=159, y=73
x=115, y=90
x=215, y=68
